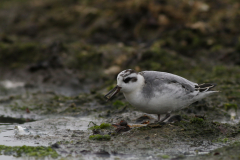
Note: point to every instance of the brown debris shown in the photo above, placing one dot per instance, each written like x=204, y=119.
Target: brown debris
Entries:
x=122, y=126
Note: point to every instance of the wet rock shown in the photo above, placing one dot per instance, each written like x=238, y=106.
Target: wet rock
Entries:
x=103, y=153
x=36, y=137
x=78, y=132
x=187, y=153
x=141, y=146
x=200, y=116
x=55, y=146
x=122, y=126
x=143, y=119
x=216, y=154
x=75, y=135
x=64, y=152
x=175, y=118
x=124, y=109
x=4, y=119
x=52, y=62
x=96, y=131
x=29, y=85
x=123, y=123
x=38, y=66
x=84, y=152
x=122, y=129
x=147, y=138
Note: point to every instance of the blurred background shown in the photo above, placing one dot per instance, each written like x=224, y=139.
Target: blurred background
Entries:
x=79, y=46
x=100, y=37
x=83, y=45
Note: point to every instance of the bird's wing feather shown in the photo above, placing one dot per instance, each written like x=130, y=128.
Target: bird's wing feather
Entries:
x=160, y=80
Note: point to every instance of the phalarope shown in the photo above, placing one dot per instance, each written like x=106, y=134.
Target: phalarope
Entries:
x=159, y=92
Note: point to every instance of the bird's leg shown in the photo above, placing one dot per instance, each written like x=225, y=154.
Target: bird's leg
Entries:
x=158, y=117
x=166, y=117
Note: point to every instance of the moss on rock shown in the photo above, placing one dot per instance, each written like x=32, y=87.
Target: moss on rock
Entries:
x=102, y=126
x=100, y=137
x=20, y=151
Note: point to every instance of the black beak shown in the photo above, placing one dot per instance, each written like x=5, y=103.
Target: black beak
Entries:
x=111, y=93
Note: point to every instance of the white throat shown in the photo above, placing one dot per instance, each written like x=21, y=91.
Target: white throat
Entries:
x=131, y=87
x=134, y=96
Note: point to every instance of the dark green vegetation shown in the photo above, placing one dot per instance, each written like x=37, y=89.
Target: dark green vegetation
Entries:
x=82, y=45
x=167, y=33
x=11, y=120
x=195, y=128
x=102, y=126
x=18, y=151
x=100, y=137
x=198, y=127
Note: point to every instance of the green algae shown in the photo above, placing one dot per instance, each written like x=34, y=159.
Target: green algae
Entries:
x=20, y=151
x=198, y=127
x=165, y=156
x=100, y=137
x=119, y=103
x=144, y=128
x=101, y=126
x=228, y=106
x=198, y=121
x=30, y=52
x=221, y=140
x=4, y=119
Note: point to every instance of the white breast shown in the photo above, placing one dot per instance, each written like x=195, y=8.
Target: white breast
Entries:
x=159, y=104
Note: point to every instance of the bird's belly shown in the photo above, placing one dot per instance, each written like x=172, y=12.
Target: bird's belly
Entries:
x=157, y=105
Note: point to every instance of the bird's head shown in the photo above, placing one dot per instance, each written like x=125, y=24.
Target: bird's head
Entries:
x=127, y=81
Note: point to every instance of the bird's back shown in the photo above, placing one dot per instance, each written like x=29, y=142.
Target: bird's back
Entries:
x=163, y=92
x=157, y=80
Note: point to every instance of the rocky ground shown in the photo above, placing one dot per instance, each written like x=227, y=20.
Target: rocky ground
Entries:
x=59, y=58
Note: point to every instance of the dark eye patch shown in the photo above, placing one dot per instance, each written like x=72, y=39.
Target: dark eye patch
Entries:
x=127, y=80
x=134, y=79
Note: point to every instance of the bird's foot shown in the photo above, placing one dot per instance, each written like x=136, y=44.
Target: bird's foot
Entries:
x=166, y=117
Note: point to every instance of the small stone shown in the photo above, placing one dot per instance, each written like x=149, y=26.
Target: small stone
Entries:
x=84, y=152
x=147, y=138
x=141, y=146
x=55, y=145
x=102, y=153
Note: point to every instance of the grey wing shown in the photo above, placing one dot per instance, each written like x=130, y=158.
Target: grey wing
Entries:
x=158, y=80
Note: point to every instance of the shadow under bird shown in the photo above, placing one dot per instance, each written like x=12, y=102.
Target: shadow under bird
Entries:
x=159, y=92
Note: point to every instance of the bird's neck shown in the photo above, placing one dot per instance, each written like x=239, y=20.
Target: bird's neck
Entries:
x=136, y=93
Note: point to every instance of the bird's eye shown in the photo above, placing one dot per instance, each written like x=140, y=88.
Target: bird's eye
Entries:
x=127, y=79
